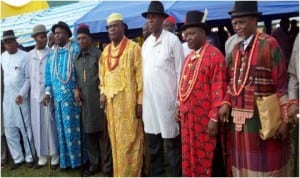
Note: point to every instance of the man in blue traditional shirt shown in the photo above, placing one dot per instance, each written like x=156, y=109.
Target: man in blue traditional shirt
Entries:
x=60, y=83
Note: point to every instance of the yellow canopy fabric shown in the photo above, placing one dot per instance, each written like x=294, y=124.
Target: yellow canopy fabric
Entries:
x=10, y=8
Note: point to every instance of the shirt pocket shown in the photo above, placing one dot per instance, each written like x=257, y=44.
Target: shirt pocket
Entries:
x=263, y=81
x=163, y=59
x=17, y=73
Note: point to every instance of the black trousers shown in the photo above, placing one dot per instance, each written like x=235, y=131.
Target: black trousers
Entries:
x=156, y=152
x=99, y=148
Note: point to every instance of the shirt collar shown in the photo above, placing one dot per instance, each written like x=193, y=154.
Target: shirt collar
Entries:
x=64, y=47
x=247, y=41
x=159, y=40
x=87, y=53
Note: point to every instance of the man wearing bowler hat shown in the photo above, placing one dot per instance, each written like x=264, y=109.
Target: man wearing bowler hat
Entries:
x=60, y=82
x=13, y=62
x=256, y=69
x=201, y=91
x=35, y=83
x=162, y=62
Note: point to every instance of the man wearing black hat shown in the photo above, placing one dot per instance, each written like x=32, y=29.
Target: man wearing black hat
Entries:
x=201, y=90
x=13, y=62
x=60, y=82
x=93, y=117
x=35, y=77
x=162, y=62
x=257, y=73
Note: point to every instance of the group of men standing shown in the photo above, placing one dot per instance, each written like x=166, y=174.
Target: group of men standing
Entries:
x=115, y=97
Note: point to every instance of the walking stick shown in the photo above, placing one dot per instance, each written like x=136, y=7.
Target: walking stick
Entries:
x=26, y=133
x=81, y=141
x=225, y=151
x=48, y=141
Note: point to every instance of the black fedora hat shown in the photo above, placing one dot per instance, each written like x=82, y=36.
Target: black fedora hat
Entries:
x=9, y=34
x=62, y=25
x=244, y=8
x=155, y=7
x=194, y=19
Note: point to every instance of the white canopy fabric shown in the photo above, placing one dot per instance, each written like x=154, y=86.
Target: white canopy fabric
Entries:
x=23, y=24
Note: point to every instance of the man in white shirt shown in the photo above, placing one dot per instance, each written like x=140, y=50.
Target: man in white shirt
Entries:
x=42, y=121
x=13, y=63
x=162, y=62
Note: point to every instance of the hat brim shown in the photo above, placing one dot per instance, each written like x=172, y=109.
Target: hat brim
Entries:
x=243, y=14
x=9, y=37
x=201, y=25
x=61, y=26
x=33, y=35
x=144, y=14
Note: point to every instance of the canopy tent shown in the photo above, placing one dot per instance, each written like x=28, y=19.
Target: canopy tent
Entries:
x=94, y=14
x=23, y=24
x=217, y=12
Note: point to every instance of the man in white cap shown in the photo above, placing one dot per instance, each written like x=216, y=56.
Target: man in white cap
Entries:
x=121, y=89
x=13, y=62
x=35, y=81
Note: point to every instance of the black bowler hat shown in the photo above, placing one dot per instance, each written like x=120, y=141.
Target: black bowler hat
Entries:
x=194, y=19
x=244, y=8
x=62, y=25
x=155, y=7
x=9, y=34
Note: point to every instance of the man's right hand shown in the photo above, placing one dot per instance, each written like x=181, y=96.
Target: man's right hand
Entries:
x=102, y=101
x=78, y=97
x=178, y=118
x=46, y=100
x=224, y=113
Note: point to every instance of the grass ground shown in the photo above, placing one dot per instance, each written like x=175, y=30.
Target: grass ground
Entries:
x=24, y=171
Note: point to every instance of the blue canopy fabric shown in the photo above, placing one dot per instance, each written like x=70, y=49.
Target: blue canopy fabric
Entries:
x=94, y=14
x=130, y=10
x=217, y=11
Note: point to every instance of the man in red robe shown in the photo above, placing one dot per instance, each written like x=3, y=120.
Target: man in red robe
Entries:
x=201, y=90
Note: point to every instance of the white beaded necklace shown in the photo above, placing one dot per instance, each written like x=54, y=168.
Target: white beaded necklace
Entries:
x=69, y=65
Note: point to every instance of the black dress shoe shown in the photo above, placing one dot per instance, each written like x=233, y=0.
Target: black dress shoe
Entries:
x=37, y=166
x=16, y=165
x=88, y=173
x=30, y=164
x=108, y=174
x=54, y=166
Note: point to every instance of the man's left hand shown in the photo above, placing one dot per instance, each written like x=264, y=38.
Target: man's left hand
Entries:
x=139, y=111
x=212, y=128
x=282, y=132
x=293, y=110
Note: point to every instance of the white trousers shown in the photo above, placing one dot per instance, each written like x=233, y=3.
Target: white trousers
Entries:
x=12, y=135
